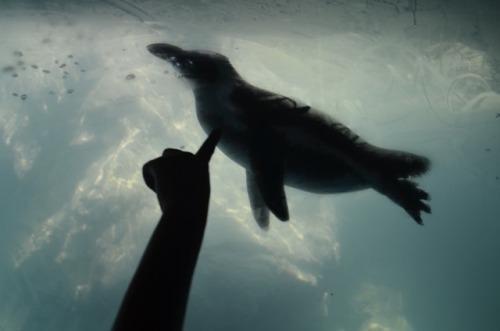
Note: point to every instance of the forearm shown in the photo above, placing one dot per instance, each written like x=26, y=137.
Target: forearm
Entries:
x=157, y=296
x=158, y=293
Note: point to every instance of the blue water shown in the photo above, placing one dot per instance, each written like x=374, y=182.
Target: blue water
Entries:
x=83, y=105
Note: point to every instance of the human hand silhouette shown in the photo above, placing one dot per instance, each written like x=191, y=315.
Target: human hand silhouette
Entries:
x=157, y=296
x=181, y=178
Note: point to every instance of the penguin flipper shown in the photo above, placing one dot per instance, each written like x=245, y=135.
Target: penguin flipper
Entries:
x=259, y=207
x=266, y=153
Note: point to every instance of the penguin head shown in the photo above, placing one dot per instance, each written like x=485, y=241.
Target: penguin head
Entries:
x=198, y=67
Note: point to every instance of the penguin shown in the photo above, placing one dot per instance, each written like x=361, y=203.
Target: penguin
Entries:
x=280, y=141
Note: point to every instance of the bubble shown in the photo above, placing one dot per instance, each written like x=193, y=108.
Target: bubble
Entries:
x=8, y=69
x=34, y=66
x=62, y=65
x=24, y=96
x=45, y=71
x=70, y=91
x=130, y=77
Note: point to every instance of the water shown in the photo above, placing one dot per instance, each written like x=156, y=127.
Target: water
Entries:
x=83, y=105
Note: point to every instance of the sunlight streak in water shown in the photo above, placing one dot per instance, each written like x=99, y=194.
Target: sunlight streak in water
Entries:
x=384, y=306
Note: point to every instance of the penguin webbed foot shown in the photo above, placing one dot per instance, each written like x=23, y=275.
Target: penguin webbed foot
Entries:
x=406, y=194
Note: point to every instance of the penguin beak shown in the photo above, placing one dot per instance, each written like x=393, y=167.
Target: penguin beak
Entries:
x=165, y=51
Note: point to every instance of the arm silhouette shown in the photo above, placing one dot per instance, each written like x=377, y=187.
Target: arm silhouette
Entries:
x=158, y=293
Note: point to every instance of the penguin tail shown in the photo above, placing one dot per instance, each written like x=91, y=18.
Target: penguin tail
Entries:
x=399, y=164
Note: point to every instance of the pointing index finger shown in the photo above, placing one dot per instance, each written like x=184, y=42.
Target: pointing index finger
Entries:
x=207, y=148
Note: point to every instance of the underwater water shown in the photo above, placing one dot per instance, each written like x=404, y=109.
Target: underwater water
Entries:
x=83, y=105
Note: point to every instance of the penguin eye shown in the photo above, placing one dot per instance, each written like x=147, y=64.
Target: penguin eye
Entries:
x=182, y=63
x=187, y=64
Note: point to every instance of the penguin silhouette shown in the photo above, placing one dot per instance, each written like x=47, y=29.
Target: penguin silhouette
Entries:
x=280, y=141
